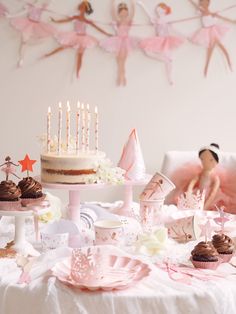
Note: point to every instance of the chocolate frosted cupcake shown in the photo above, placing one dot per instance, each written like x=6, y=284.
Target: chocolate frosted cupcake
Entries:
x=204, y=255
x=9, y=196
x=224, y=246
x=31, y=191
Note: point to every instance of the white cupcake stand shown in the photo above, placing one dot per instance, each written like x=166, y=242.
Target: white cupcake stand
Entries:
x=21, y=245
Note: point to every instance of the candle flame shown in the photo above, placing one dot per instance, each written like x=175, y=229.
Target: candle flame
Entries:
x=78, y=105
x=60, y=105
x=82, y=106
x=96, y=109
x=49, y=110
x=68, y=106
x=88, y=107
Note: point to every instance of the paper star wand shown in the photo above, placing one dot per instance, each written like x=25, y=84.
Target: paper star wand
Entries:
x=27, y=164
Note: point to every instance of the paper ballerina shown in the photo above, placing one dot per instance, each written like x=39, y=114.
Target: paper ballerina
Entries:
x=160, y=47
x=211, y=34
x=132, y=158
x=222, y=219
x=77, y=39
x=121, y=44
x=3, y=10
x=27, y=164
x=9, y=167
x=31, y=27
x=207, y=230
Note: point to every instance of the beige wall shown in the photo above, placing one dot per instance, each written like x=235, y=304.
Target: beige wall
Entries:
x=195, y=111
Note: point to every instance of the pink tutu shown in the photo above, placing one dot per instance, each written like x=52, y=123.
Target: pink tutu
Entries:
x=207, y=35
x=33, y=29
x=159, y=44
x=75, y=40
x=9, y=169
x=116, y=44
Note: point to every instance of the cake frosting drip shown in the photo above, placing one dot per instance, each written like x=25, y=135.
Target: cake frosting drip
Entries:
x=9, y=191
x=223, y=244
x=204, y=251
x=30, y=188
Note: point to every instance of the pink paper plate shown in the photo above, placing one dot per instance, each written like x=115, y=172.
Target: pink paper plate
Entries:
x=121, y=272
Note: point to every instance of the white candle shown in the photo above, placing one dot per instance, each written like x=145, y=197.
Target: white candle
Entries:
x=96, y=129
x=77, y=127
x=88, y=128
x=49, y=130
x=59, y=129
x=83, y=126
x=68, y=127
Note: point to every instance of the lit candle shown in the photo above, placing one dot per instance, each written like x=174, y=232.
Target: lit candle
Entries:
x=83, y=126
x=49, y=130
x=96, y=129
x=77, y=127
x=68, y=127
x=59, y=129
x=88, y=128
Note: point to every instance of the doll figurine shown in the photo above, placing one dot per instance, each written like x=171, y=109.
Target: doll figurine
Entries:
x=160, y=46
x=212, y=33
x=31, y=27
x=121, y=44
x=77, y=39
x=207, y=179
x=9, y=168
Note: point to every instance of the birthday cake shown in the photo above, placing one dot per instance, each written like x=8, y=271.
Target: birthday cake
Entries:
x=71, y=160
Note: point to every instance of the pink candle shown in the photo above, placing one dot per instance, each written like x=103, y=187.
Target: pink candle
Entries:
x=49, y=130
x=83, y=126
x=77, y=127
x=59, y=129
x=68, y=127
x=88, y=128
x=96, y=129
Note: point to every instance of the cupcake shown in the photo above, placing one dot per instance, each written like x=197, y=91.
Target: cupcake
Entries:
x=31, y=191
x=204, y=255
x=224, y=246
x=9, y=196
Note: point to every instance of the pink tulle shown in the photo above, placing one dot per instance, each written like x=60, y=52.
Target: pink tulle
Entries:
x=120, y=43
x=9, y=169
x=3, y=10
x=159, y=44
x=208, y=35
x=32, y=29
x=226, y=195
x=75, y=40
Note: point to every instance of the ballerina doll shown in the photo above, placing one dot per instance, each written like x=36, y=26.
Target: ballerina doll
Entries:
x=121, y=44
x=9, y=167
x=31, y=27
x=77, y=39
x=211, y=33
x=160, y=47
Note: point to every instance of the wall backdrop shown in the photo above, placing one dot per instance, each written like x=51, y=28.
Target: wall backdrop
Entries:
x=193, y=112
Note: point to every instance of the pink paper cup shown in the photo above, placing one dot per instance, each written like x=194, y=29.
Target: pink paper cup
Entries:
x=29, y=201
x=151, y=213
x=225, y=258
x=109, y=232
x=11, y=206
x=205, y=265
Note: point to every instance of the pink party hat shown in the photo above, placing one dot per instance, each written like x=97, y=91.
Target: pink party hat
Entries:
x=132, y=158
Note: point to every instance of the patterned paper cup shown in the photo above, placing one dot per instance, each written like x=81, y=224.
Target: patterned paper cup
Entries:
x=184, y=229
x=54, y=241
x=151, y=213
x=109, y=232
x=159, y=187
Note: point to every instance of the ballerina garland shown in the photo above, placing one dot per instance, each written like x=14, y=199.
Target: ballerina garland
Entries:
x=77, y=39
x=211, y=34
x=160, y=46
x=31, y=27
x=121, y=44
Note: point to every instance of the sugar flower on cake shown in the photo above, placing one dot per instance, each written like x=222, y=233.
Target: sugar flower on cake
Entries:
x=132, y=158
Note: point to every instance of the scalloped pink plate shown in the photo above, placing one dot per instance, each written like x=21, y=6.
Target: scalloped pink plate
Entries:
x=121, y=272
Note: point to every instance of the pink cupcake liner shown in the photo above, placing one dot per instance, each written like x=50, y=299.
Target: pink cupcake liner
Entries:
x=9, y=205
x=225, y=258
x=29, y=201
x=205, y=265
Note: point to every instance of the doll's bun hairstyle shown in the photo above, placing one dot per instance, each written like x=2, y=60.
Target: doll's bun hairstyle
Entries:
x=88, y=7
x=122, y=6
x=213, y=148
x=165, y=7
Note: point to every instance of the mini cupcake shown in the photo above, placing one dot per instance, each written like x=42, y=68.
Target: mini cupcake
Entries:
x=204, y=255
x=9, y=196
x=31, y=191
x=224, y=246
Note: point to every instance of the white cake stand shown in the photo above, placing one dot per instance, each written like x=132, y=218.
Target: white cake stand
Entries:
x=127, y=208
x=21, y=245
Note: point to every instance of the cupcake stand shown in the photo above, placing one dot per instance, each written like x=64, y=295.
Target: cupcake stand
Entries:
x=21, y=245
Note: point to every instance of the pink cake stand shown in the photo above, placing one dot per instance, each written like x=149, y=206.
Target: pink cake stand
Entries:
x=127, y=208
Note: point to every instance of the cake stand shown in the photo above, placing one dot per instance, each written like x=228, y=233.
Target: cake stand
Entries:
x=21, y=245
x=127, y=207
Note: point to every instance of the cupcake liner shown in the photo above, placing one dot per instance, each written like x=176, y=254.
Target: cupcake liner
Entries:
x=10, y=205
x=225, y=258
x=205, y=265
x=29, y=201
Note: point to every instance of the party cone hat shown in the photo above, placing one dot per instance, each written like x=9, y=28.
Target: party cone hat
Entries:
x=132, y=158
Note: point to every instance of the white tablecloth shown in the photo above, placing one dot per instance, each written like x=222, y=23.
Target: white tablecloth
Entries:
x=155, y=294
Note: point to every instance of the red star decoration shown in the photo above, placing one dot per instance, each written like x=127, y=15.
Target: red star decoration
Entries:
x=27, y=164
